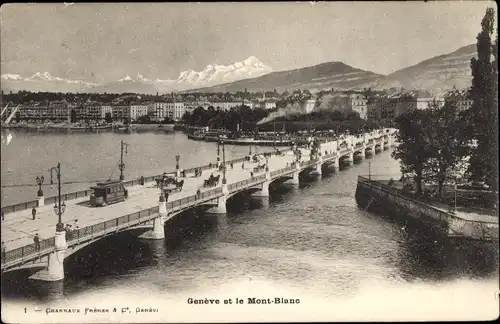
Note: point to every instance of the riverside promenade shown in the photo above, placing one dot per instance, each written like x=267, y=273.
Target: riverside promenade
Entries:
x=145, y=208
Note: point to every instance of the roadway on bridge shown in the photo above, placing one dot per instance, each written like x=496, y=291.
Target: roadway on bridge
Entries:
x=18, y=229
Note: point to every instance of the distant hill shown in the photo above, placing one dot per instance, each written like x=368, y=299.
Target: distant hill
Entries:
x=322, y=76
x=436, y=74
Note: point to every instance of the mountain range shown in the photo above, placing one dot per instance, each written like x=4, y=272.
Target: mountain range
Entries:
x=212, y=74
x=438, y=73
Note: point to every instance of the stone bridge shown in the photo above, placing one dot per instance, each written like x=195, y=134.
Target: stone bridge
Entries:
x=152, y=212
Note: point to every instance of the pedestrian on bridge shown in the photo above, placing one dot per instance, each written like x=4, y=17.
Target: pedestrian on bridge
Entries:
x=36, y=239
x=33, y=212
x=243, y=165
x=3, y=215
x=231, y=165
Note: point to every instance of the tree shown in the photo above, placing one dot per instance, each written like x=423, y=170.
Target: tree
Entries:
x=448, y=144
x=414, y=150
x=107, y=118
x=483, y=115
x=144, y=119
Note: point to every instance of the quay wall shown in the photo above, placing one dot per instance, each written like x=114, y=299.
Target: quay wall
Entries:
x=381, y=198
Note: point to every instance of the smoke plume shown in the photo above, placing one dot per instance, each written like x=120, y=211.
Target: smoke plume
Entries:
x=297, y=108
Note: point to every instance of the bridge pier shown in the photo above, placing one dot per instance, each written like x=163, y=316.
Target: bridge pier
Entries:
x=55, y=267
x=158, y=231
x=264, y=190
x=350, y=159
x=40, y=201
x=317, y=167
x=221, y=203
x=295, y=175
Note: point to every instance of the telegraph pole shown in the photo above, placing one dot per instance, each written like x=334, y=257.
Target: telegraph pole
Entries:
x=121, y=166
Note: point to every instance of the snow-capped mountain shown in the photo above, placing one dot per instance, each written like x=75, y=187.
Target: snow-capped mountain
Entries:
x=13, y=77
x=212, y=74
x=216, y=74
x=43, y=81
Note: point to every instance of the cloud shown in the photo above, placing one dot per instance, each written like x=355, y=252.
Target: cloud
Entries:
x=133, y=50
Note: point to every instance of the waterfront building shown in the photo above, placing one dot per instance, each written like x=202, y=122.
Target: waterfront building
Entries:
x=92, y=111
x=33, y=111
x=189, y=106
x=106, y=109
x=121, y=112
x=159, y=110
x=59, y=110
x=175, y=110
x=138, y=110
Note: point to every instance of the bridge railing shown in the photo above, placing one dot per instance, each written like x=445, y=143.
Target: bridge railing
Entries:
x=88, y=192
x=245, y=183
x=282, y=171
x=306, y=164
x=29, y=250
x=88, y=232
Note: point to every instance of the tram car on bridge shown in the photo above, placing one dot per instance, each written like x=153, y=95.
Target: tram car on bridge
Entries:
x=108, y=192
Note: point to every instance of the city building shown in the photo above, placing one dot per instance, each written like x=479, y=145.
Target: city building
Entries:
x=92, y=111
x=106, y=110
x=175, y=110
x=399, y=103
x=226, y=105
x=349, y=103
x=138, y=110
x=159, y=110
x=121, y=112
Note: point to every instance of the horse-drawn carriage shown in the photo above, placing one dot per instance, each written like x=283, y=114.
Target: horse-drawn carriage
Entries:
x=165, y=181
x=108, y=192
x=169, y=184
x=259, y=168
x=211, y=181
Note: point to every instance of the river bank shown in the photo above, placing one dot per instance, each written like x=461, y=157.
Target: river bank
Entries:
x=94, y=127
x=378, y=196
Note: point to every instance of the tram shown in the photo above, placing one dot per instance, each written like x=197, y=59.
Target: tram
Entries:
x=108, y=192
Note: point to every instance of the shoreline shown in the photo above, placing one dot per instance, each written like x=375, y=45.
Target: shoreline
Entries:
x=72, y=127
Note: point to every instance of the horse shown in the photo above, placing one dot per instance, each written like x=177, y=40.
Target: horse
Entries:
x=179, y=185
x=158, y=182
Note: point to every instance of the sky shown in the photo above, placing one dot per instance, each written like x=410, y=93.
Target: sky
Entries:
x=103, y=42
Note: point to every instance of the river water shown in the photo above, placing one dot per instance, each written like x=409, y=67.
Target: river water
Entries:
x=309, y=242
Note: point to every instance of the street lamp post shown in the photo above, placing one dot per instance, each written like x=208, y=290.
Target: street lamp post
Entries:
x=218, y=150
x=369, y=171
x=224, y=181
x=267, y=163
x=39, y=182
x=60, y=207
x=121, y=166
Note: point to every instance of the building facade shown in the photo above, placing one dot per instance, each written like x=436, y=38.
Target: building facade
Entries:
x=225, y=105
x=137, y=111
x=121, y=113
x=350, y=103
x=175, y=110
